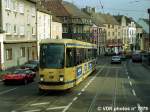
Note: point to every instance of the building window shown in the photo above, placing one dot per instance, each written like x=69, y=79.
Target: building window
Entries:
x=22, y=51
x=8, y=4
x=15, y=5
x=33, y=31
x=33, y=11
x=21, y=30
x=65, y=30
x=8, y=28
x=9, y=54
x=113, y=33
x=15, y=29
x=21, y=8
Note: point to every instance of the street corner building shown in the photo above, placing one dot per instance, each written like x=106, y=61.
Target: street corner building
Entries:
x=17, y=32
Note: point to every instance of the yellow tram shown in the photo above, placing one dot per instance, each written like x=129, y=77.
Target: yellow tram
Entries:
x=64, y=63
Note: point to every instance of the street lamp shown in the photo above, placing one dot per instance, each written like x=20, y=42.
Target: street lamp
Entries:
x=149, y=28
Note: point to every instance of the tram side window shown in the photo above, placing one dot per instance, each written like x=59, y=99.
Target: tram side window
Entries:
x=89, y=54
x=95, y=53
x=82, y=54
x=70, y=57
x=78, y=57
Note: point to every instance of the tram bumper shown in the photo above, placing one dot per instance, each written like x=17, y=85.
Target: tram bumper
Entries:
x=55, y=85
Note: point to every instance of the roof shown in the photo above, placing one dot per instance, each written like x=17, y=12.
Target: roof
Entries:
x=56, y=19
x=62, y=8
x=43, y=9
x=96, y=19
x=56, y=7
x=108, y=19
x=34, y=1
x=128, y=20
x=74, y=11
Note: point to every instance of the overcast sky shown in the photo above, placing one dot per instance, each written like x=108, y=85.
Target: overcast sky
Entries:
x=132, y=8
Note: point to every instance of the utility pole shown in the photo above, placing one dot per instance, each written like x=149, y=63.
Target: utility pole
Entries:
x=149, y=29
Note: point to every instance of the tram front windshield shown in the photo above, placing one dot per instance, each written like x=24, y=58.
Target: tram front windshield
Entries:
x=52, y=56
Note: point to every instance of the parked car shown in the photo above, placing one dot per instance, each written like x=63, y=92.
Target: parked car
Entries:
x=31, y=64
x=136, y=57
x=19, y=76
x=32, y=67
x=115, y=59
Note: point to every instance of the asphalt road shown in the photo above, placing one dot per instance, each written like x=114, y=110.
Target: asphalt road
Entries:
x=111, y=88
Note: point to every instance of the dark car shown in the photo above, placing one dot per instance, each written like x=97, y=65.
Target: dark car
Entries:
x=19, y=76
x=136, y=57
x=32, y=65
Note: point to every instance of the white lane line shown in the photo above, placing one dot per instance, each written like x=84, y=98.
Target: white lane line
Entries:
x=139, y=108
x=55, y=108
x=83, y=90
x=133, y=92
x=130, y=83
x=37, y=110
x=7, y=91
x=79, y=94
x=128, y=77
x=75, y=98
x=36, y=104
x=67, y=107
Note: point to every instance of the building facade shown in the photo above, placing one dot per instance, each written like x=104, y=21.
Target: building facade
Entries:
x=18, y=21
x=144, y=23
x=75, y=23
x=98, y=30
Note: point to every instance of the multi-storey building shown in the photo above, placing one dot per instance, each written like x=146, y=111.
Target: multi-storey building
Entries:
x=75, y=23
x=18, y=41
x=144, y=23
x=98, y=30
x=44, y=25
x=113, y=29
x=130, y=33
x=56, y=28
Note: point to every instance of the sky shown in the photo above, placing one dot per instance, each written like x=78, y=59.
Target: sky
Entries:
x=131, y=8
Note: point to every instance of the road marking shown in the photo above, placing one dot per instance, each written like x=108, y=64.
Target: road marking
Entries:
x=7, y=91
x=139, y=108
x=83, y=90
x=37, y=110
x=67, y=107
x=133, y=92
x=75, y=98
x=128, y=77
x=55, y=108
x=79, y=93
x=36, y=104
x=130, y=83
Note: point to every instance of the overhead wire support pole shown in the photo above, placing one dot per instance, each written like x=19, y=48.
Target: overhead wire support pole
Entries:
x=149, y=30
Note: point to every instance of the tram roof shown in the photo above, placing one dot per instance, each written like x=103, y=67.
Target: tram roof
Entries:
x=65, y=41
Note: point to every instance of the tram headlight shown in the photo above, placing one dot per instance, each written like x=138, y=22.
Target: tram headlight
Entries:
x=61, y=78
x=41, y=79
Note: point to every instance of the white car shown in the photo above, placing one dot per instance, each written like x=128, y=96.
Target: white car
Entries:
x=116, y=59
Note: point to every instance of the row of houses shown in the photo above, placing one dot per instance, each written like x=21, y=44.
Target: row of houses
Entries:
x=23, y=23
